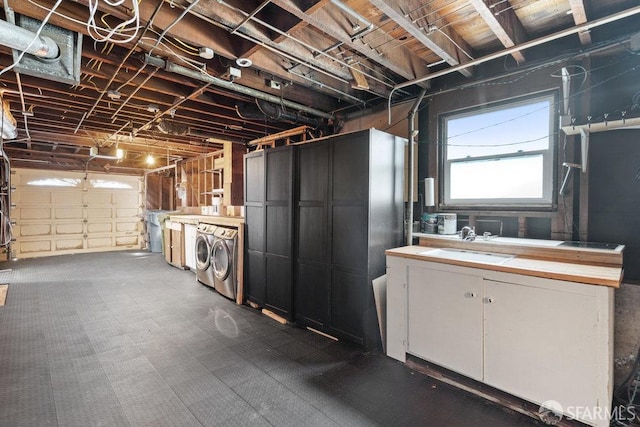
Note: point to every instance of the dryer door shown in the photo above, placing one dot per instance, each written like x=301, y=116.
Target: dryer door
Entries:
x=203, y=253
x=221, y=259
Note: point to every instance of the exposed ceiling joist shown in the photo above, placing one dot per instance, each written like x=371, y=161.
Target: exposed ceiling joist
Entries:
x=444, y=42
x=398, y=60
x=504, y=23
x=579, y=13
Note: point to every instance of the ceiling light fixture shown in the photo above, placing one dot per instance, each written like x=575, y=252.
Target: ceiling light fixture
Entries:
x=150, y=160
x=94, y=154
x=244, y=62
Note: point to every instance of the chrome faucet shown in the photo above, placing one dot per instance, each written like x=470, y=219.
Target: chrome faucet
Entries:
x=467, y=233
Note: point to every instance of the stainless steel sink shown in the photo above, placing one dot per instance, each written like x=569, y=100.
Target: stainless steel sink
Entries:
x=471, y=256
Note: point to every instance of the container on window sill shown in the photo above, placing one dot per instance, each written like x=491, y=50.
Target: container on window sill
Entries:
x=429, y=223
x=447, y=223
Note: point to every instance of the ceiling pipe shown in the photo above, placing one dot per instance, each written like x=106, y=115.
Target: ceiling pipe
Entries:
x=250, y=16
x=234, y=87
x=412, y=136
x=21, y=39
x=293, y=59
x=351, y=12
x=310, y=47
x=532, y=43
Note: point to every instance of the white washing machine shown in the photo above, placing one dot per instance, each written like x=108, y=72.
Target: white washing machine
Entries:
x=224, y=259
x=205, y=240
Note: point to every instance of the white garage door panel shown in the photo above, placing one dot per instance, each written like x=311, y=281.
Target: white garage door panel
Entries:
x=68, y=213
x=34, y=213
x=36, y=246
x=96, y=227
x=32, y=197
x=99, y=242
x=67, y=198
x=126, y=213
x=73, y=228
x=127, y=241
x=33, y=230
x=67, y=244
x=97, y=197
x=102, y=213
x=125, y=199
x=61, y=212
x=128, y=226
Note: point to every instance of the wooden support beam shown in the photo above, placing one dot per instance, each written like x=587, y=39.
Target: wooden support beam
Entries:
x=504, y=23
x=359, y=80
x=317, y=14
x=445, y=43
x=270, y=140
x=579, y=13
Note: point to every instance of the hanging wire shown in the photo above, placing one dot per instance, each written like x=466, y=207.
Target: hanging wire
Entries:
x=124, y=32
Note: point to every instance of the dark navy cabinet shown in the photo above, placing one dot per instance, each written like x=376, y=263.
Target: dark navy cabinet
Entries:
x=318, y=223
x=269, y=229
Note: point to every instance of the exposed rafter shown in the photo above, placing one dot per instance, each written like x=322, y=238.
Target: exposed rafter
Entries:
x=445, y=43
x=579, y=13
x=504, y=23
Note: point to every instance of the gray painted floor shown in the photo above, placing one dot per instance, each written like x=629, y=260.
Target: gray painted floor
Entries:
x=122, y=338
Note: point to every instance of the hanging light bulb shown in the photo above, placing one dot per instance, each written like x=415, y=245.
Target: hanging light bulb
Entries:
x=150, y=160
x=119, y=153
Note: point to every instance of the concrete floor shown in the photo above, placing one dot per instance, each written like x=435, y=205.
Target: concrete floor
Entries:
x=122, y=338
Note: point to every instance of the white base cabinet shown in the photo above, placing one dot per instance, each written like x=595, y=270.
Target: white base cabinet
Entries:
x=445, y=320
x=537, y=339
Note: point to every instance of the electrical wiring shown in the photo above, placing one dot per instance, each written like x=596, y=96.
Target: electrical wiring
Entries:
x=187, y=48
x=167, y=42
x=584, y=74
x=35, y=37
x=121, y=32
x=556, y=104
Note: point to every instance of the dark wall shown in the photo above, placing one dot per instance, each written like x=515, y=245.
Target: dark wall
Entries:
x=614, y=193
x=614, y=159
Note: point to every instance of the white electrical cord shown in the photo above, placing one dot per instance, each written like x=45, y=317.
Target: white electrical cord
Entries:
x=118, y=34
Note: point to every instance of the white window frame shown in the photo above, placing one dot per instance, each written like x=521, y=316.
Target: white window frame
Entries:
x=548, y=155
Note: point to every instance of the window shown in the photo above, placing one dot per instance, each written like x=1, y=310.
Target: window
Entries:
x=500, y=156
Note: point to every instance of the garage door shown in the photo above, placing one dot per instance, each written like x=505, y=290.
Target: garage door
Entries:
x=57, y=212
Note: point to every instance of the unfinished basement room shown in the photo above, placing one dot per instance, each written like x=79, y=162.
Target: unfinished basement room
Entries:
x=320, y=213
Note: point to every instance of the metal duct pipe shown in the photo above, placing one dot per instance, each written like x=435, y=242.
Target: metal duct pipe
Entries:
x=265, y=110
x=234, y=87
x=23, y=40
x=412, y=135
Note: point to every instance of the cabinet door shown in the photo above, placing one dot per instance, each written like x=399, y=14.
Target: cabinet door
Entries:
x=254, y=265
x=177, y=250
x=279, y=223
x=445, y=319
x=312, y=277
x=539, y=343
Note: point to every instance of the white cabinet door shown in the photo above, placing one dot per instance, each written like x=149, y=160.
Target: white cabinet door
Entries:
x=445, y=319
x=190, y=234
x=539, y=343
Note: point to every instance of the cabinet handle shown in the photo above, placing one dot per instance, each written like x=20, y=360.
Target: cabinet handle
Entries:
x=470, y=295
x=488, y=300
